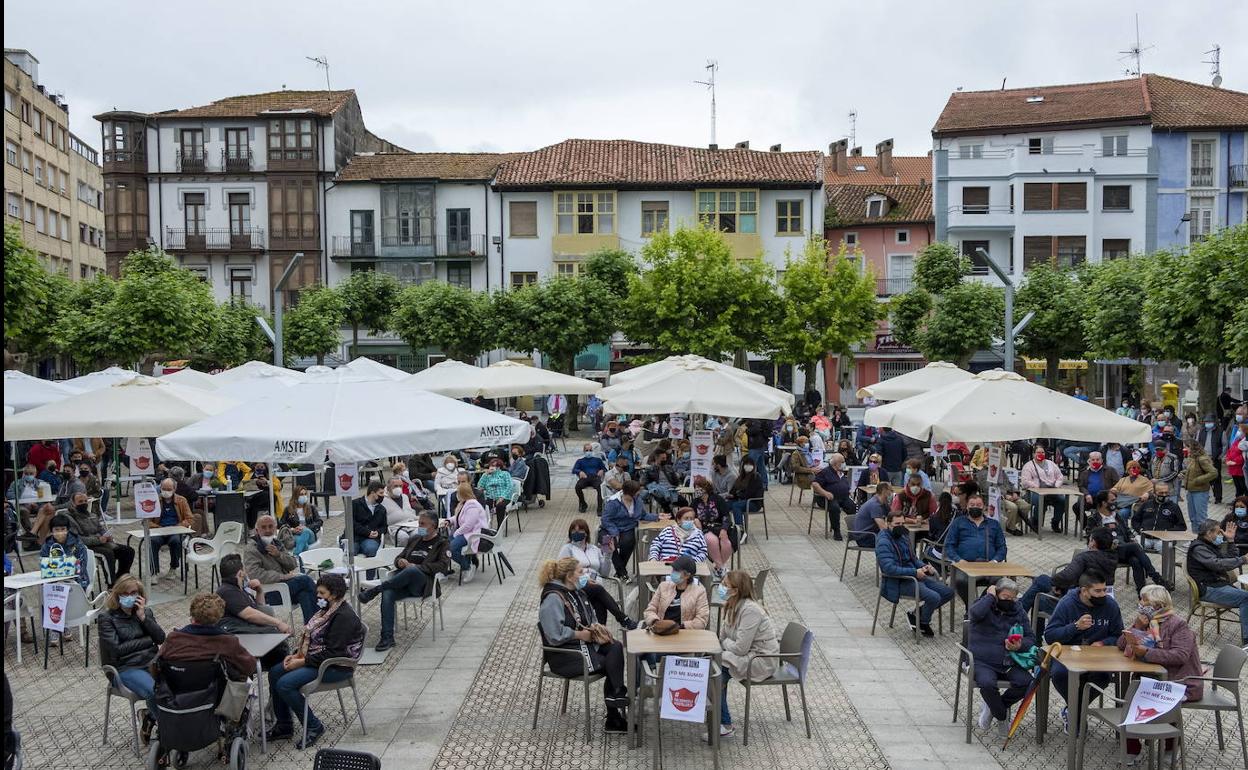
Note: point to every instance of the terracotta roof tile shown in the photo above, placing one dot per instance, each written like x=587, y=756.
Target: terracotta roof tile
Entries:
x=322, y=103
x=846, y=204
x=1182, y=104
x=627, y=163
x=424, y=165
x=907, y=169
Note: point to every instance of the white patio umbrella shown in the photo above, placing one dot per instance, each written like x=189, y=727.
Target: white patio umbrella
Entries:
x=448, y=378
x=365, y=365
x=262, y=385
x=648, y=370
x=22, y=392
x=499, y=380
x=935, y=375
x=698, y=386
x=254, y=369
x=1002, y=406
x=101, y=379
x=193, y=378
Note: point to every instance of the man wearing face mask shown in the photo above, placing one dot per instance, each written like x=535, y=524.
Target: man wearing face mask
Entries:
x=999, y=626
x=1096, y=477
x=1239, y=517
x=174, y=512
x=1209, y=560
x=87, y=526
x=1209, y=438
x=266, y=560
x=1087, y=617
x=1041, y=472
x=589, y=471
x=368, y=519
x=1128, y=551
x=425, y=556
x=973, y=537
x=1165, y=464
x=1160, y=511
x=897, y=561
x=245, y=609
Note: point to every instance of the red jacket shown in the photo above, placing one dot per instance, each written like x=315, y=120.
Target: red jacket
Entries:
x=39, y=455
x=1234, y=458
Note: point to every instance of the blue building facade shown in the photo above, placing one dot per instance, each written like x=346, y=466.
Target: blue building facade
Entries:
x=1202, y=183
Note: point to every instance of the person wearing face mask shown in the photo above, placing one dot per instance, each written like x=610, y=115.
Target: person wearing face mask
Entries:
x=301, y=524
x=1233, y=458
x=914, y=499
x=973, y=537
x=245, y=609
x=94, y=535
x=1165, y=464
x=714, y=518
x=1096, y=477
x=1209, y=438
x=831, y=490
x=25, y=487
x=872, y=474
x=681, y=598
x=748, y=637
x=597, y=565
x=496, y=485
x=872, y=515
x=69, y=485
x=999, y=631
x=1210, y=560
x=445, y=482
x=1041, y=472
x=174, y=512
x=682, y=538
x=1239, y=517
x=722, y=476
x=620, y=516
x=64, y=542
x=469, y=519
x=266, y=560
x=897, y=562
x=130, y=638
x=821, y=424
x=1159, y=512
x=425, y=556
x=1087, y=617
x=589, y=471
x=1107, y=514
x=1133, y=487
x=1126, y=410
x=400, y=516
x=746, y=494
x=1100, y=557
x=368, y=519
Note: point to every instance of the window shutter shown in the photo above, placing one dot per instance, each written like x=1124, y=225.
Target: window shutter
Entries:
x=1072, y=196
x=974, y=199
x=1037, y=196
x=1037, y=249
x=523, y=215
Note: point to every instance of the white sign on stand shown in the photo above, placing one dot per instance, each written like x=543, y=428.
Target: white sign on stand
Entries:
x=701, y=450
x=146, y=500
x=994, y=464
x=139, y=450
x=1154, y=698
x=1011, y=474
x=676, y=426
x=346, y=480
x=55, y=600
x=685, y=683
x=994, y=503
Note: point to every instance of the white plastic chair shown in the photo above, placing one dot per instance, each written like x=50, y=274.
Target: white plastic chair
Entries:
x=284, y=602
x=80, y=612
x=513, y=506
x=387, y=554
x=228, y=533
x=496, y=553
x=311, y=559
x=420, y=601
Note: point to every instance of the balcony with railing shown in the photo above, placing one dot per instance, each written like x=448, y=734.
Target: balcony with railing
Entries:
x=891, y=287
x=978, y=216
x=1237, y=176
x=418, y=247
x=214, y=239
x=1202, y=176
x=469, y=246
x=347, y=247
x=236, y=159
x=191, y=160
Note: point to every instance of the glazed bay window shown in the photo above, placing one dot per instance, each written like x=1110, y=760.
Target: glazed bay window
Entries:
x=291, y=140
x=789, y=217
x=1200, y=209
x=406, y=215
x=585, y=213
x=568, y=269
x=653, y=218
x=125, y=209
x=292, y=209
x=729, y=211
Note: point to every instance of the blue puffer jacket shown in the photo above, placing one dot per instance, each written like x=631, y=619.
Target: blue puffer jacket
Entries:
x=896, y=560
x=616, y=518
x=72, y=547
x=966, y=542
x=989, y=628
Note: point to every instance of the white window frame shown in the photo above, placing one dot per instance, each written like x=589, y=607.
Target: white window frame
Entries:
x=883, y=205
x=850, y=240
x=1204, y=219
x=901, y=237
x=568, y=268
x=970, y=150
x=11, y=153
x=1119, y=145
x=1213, y=160
x=13, y=205
x=1046, y=145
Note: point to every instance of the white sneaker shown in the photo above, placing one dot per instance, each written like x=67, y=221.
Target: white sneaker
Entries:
x=173, y=574
x=985, y=716
x=469, y=574
x=1003, y=727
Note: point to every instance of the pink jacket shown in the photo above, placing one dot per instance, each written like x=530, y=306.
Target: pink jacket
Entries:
x=1040, y=475
x=470, y=520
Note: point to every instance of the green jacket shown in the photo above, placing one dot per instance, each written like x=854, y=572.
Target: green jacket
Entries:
x=1199, y=474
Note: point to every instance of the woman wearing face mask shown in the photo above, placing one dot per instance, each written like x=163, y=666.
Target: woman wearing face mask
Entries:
x=680, y=599
x=746, y=632
x=130, y=637
x=597, y=565
x=66, y=544
x=334, y=631
x=846, y=449
x=998, y=633
x=1133, y=487
x=683, y=538
x=446, y=481
x=301, y=524
x=1234, y=458
x=1239, y=517
x=715, y=519
x=746, y=494
x=566, y=621
x=1126, y=410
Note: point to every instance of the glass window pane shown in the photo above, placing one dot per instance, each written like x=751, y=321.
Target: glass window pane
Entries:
x=706, y=201
x=748, y=223
x=606, y=223
x=585, y=223
x=564, y=203
x=606, y=203
x=565, y=224
x=727, y=201
x=749, y=201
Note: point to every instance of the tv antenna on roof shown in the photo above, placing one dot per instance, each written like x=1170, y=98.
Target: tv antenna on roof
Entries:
x=1135, y=52
x=321, y=61
x=1215, y=64
x=712, y=67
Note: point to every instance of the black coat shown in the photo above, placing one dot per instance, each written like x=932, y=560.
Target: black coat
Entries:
x=365, y=519
x=538, y=481
x=127, y=642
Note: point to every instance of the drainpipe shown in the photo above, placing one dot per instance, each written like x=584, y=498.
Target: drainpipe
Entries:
x=485, y=195
x=502, y=242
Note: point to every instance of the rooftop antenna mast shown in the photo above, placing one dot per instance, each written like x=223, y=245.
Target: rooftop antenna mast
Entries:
x=1215, y=64
x=1135, y=52
x=712, y=67
x=321, y=61
x=853, y=129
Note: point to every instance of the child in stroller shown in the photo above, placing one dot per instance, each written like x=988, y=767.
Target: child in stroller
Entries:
x=188, y=696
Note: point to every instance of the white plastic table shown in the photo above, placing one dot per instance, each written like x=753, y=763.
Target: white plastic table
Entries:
x=260, y=645
x=19, y=582
x=154, y=532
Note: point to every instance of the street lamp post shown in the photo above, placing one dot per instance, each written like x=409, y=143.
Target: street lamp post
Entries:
x=1011, y=331
x=278, y=359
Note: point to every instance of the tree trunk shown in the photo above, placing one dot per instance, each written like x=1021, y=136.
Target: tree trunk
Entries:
x=1050, y=371
x=320, y=359
x=574, y=401
x=1207, y=382
x=740, y=359
x=809, y=370
x=355, y=339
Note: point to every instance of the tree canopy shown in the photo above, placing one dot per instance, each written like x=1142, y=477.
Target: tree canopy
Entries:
x=455, y=319
x=236, y=337
x=945, y=317
x=1056, y=330
x=369, y=299
x=311, y=327
x=939, y=267
x=25, y=287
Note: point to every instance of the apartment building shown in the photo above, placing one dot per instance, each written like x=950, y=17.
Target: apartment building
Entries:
x=879, y=209
x=233, y=188
x=53, y=186
x=1074, y=173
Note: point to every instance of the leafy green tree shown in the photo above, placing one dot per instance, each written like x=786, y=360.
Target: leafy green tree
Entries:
x=159, y=311
x=613, y=267
x=1056, y=331
x=1113, y=311
x=458, y=321
x=693, y=296
x=311, y=327
x=37, y=341
x=83, y=329
x=236, y=337
x=24, y=287
x=1190, y=303
x=370, y=298
x=965, y=319
x=908, y=315
x=827, y=307
x=939, y=267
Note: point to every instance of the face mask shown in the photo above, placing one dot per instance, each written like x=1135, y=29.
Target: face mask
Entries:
x=396, y=493
x=167, y=494
x=1134, y=471
x=1005, y=605
x=128, y=602
x=266, y=539
x=303, y=499
x=723, y=592
x=1160, y=452
x=1148, y=611
x=686, y=525
x=82, y=508
x=84, y=473
x=322, y=603
x=207, y=472
x=1240, y=513
x=1126, y=405
x=29, y=476
x=66, y=474
x=1239, y=418
x=422, y=531
x=1095, y=465
x=898, y=532
x=676, y=577
x=449, y=466
x=1169, y=413
x=1219, y=540
x=915, y=490
x=1208, y=426
x=873, y=466
x=1097, y=601
x=1040, y=457
x=582, y=581
x=747, y=468
x=577, y=537
x=588, y=454
x=975, y=513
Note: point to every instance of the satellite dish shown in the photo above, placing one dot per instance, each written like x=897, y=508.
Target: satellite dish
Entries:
x=1217, y=81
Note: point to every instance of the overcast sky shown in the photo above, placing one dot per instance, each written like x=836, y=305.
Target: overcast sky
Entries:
x=520, y=75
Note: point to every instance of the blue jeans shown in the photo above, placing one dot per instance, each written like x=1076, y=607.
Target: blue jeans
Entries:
x=935, y=595
x=759, y=456
x=302, y=592
x=407, y=582
x=457, y=546
x=140, y=682
x=303, y=541
x=1197, y=508
x=1231, y=597
x=725, y=718
x=175, y=551
x=739, y=509
x=287, y=700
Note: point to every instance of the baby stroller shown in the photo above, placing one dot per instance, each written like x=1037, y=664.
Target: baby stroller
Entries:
x=187, y=695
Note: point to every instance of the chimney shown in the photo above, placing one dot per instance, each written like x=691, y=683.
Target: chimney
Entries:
x=774, y=148
x=837, y=150
x=712, y=146
x=856, y=152
x=742, y=145
x=884, y=157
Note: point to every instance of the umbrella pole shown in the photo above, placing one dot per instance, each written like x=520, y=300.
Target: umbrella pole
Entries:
x=349, y=530
x=117, y=476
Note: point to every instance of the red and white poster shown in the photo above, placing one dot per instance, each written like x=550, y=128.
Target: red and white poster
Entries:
x=701, y=450
x=346, y=479
x=146, y=500
x=676, y=426
x=1153, y=699
x=994, y=464
x=55, y=600
x=685, y=687
x=139, y=450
